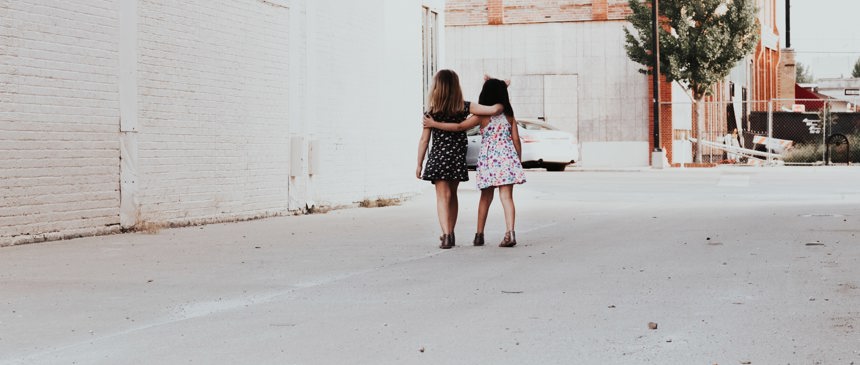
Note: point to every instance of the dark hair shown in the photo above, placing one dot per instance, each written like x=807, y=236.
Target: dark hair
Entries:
x=495, y=91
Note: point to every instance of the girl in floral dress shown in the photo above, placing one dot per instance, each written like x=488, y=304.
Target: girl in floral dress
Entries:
x=499, y=162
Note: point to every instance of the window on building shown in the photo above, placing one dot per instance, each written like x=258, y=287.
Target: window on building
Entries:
x=430, y=36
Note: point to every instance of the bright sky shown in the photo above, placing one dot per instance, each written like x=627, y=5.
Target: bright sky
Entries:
x=825, y=34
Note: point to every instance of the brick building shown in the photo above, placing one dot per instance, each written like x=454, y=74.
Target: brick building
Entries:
x=568, y=65
x=120, y=113
x=765, y=75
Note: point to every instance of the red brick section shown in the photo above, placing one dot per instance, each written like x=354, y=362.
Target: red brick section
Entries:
x=599, y=10
x=665, y=117
x=482, y=12
x=618, y=9
x=495, y=12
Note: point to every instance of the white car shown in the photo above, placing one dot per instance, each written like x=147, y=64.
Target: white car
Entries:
x=543, y=146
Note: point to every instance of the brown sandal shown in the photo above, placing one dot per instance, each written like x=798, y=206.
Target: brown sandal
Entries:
x=510, y=240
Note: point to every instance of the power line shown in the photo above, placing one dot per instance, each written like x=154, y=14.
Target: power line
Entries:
x=829, y=52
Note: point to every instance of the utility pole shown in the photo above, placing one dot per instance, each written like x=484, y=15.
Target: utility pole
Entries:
x=655, y=36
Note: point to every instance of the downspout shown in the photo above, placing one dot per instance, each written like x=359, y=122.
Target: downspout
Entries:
x=787, y=23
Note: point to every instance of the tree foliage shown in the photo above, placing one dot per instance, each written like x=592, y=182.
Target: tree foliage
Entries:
x=804, y=74
x=700, y=40
x=856, y=71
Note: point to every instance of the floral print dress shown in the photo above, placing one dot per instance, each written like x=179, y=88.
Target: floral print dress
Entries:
x=498, y=162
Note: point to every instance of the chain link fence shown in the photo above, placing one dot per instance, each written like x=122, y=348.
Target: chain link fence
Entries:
x=776, y=132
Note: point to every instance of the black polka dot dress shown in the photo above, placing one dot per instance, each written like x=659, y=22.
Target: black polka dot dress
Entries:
x=447, y=160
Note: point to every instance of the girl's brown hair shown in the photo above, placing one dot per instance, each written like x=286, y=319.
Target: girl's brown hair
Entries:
x=445, y=96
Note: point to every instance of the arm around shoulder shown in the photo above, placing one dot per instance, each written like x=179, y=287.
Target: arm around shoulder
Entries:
x=478, y=109
x=453, y=127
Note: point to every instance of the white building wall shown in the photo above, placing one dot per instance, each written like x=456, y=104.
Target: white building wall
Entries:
x=221, y=102
x=363, y=98
x=612, y=95
x=841, y=89
x=59, y=112
x=213, y=99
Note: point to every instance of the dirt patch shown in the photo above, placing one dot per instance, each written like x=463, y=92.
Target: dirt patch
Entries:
x=846, y=288
x=379, y=203
x=846, y=324
x=150, y=227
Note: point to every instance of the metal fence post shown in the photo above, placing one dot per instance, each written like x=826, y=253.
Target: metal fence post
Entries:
x=824, y=119
x=769, y=132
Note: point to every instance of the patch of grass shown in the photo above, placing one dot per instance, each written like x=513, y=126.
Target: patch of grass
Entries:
x=805, y=153
x=814, y=152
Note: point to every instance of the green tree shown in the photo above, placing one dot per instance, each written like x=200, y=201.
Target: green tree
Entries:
x=700, y=42
x=856, y=71
x=804, y=74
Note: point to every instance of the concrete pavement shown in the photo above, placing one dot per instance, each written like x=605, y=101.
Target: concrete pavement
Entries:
x=735, y=265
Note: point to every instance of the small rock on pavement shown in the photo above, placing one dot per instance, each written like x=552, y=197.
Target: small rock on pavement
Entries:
x=421, y=349
x=652, y=325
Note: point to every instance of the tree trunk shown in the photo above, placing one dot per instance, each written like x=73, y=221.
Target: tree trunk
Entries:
x=699, y=117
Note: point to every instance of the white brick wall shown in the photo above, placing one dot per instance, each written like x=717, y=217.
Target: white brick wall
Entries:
x=213, y=99
x=211, y=93
x=59, y=157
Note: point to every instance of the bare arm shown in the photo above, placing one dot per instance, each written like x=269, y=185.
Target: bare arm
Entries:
x=515, y=135
x=423, y=142
x=478, y=109
x=452, y=127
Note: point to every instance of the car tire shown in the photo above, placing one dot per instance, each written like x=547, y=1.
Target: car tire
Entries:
x=556, y=166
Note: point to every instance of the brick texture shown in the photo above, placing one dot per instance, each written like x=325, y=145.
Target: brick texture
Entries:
x=213, y=92
x=666, y=130
x=484, y=12
x=495, y=12
x=59, y=170
x=222, y=88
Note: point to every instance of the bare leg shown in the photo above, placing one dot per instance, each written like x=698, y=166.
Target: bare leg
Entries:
x=443, y=197
x=484, y=207
x=453, y=205
x=506, y=194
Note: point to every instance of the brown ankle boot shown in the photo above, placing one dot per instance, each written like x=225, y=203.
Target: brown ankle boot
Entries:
x=479, y=239
x=510, y=240
x=452, y=241
x=445, y=241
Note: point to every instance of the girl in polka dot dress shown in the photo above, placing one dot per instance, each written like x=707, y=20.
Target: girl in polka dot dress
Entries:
x=499, y=162
x=446, y=163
